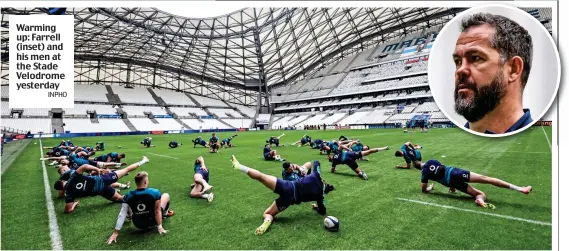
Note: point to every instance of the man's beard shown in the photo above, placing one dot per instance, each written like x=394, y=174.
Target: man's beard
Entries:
x=484, y=99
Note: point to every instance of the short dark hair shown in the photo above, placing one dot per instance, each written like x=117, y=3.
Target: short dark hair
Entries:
x=509, y=39
x=398, y=153
x=122, y=155
x=286, y=165
x=58, y=185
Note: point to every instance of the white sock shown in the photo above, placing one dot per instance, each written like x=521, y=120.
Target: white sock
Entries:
x=268, y=219
x=122, y=186
x=514, y=187
x=205, y=196
x=142, y=162
x=244, y=169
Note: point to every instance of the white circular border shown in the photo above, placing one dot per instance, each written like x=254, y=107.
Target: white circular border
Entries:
x=471, y=11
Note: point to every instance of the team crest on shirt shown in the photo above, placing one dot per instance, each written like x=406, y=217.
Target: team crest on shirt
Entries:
x=141, y=207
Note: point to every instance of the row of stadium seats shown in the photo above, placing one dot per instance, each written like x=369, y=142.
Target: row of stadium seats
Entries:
x=84, y=125
x=317, y=119
x=132, y=111
x=134, y=95
x=375, y=115
x=91, y=93
x=250, y=112
x=174, y=98
x=81, y=109
x=427, y=107
x=209, y=101
x=225, y=113
x=185, y=111
x=354, y=85
x=356, y=100
x=97, y=93
x=352, y=82
x=144, y=124
x=140, y=110
x=104, y=125
x=33, y=125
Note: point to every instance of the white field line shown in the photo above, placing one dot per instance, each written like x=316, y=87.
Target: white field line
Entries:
x=478, y=212
x=165, y=156
x=546, y=137
x=56, y=243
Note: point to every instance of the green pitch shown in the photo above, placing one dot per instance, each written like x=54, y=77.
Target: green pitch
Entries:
x=370, y=213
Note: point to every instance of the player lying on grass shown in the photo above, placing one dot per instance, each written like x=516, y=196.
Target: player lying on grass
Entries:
x=199, y=141
x=269, y=154
x=147, y=142
x=275, y=140
x=322, y=149
x=357, y=146
x=57, y=152
x=334, y=146
x=66, y=144
x=411, y=154
x=174, y=144
x=80, y=185
x=146, y=206
x=110, y=157
x=309, y=188
x=213, y=143
x=227, y=141
x=60, y=152
x=65, y=173
x=456, y=178
x=99, y=146
x=65, y=150
x=303, y=141
x=316, y=144
x=349, y=158
x=200, y=187
x=292, y=172
x=75, y=160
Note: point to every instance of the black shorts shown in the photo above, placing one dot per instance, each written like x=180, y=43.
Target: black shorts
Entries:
x=143, y=223
x=109, y=178
x=100, y=158
x=459, y=179
x=287, y=194
x=351, y=158
x=108, y=193
x=269, y=157
x=205, y=175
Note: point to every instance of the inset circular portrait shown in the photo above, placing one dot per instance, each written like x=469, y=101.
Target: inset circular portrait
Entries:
x=494, y=70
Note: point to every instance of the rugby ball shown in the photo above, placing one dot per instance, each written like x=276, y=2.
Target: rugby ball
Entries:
x=331, y=223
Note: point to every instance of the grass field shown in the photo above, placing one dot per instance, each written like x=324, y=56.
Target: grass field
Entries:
x=371, y=215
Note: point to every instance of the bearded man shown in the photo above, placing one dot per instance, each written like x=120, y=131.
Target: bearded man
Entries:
x=493, y=60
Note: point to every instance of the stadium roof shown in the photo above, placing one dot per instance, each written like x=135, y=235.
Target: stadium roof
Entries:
x=239, y=50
